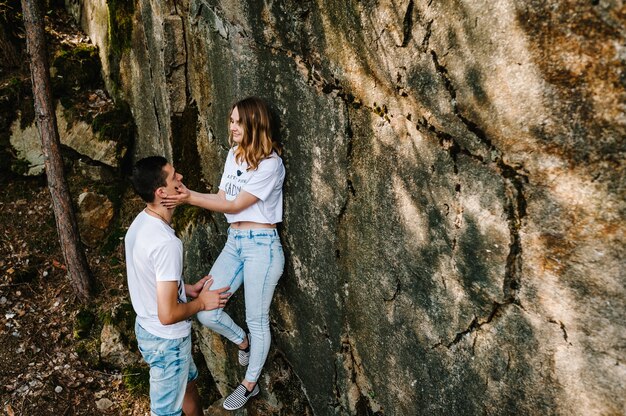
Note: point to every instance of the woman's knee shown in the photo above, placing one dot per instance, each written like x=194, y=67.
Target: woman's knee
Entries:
x=209, y=318
x=258, y=323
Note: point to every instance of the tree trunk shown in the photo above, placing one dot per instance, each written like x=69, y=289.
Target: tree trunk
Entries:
x=77, y=267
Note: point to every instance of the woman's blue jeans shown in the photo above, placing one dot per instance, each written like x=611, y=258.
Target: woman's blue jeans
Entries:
x=254, y=258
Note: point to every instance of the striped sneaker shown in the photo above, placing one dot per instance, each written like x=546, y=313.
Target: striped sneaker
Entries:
x=238, y=398
x=244, y=355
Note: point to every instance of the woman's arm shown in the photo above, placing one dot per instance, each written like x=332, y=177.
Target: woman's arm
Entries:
x=213, y=202
x=216, y=203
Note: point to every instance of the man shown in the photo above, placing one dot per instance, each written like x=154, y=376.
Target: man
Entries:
x=154, y=264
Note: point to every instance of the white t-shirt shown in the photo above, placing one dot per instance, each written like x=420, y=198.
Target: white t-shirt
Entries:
x=266, y=183
x=154, y=253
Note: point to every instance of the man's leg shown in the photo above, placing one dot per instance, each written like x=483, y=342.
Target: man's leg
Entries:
x=169, y=374
x=191, y=401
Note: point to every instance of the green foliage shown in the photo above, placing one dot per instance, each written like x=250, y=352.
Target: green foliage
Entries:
x=9, y=93
x=123, y=318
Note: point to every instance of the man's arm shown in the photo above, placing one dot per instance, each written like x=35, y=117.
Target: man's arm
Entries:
x=192, y=291
x=170, y=311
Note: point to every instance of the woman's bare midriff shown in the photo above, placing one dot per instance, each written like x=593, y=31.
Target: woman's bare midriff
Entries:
x=249, y=225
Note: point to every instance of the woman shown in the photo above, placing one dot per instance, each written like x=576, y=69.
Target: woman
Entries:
x=250, y=194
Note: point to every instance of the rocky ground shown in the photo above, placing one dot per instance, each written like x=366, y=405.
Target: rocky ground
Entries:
x=49, y=360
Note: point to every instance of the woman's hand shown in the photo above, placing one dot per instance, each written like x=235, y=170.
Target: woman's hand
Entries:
x=182, y=197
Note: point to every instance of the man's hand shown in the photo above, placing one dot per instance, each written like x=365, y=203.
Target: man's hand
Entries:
x=194, y=290
x=213, y=298
x=171, y=201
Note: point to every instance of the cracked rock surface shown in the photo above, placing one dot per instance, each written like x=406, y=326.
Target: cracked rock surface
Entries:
x=454, y=205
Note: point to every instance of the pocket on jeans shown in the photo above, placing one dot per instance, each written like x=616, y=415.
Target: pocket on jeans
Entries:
x=263, y=240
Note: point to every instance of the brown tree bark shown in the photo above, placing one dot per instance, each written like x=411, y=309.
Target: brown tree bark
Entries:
x=75, y=259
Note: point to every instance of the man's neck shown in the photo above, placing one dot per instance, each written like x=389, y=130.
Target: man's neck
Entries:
x=159, y=211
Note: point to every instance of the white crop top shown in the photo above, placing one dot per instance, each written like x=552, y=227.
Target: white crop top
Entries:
x=266, y=183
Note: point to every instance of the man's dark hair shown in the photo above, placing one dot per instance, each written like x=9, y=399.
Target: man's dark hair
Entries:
x=148, y=176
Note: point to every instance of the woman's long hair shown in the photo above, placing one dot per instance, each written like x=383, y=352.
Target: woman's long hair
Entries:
x=256, y=143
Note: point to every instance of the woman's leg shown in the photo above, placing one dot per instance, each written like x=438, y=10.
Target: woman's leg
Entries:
x=263, y=266
x=226, y=271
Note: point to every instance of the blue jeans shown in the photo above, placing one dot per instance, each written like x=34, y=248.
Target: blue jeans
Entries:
x=171, y=368
x=254, y=258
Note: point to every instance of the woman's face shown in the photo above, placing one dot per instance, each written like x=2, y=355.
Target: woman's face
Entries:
x=235, y=126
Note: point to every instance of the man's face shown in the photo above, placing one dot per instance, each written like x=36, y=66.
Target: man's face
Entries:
x=172, y=181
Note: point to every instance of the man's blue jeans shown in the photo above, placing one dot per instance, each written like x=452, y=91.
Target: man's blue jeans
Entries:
x=254, y=258
x=171, y=368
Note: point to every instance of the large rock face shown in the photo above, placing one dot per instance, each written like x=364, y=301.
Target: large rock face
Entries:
x=454, y=205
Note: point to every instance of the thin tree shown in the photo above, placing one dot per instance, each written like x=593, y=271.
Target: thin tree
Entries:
x=75, y=259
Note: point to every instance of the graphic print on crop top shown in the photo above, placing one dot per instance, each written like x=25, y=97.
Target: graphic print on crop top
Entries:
x=234, y=182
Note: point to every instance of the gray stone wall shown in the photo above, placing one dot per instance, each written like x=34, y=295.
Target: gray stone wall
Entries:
x=454, y=201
